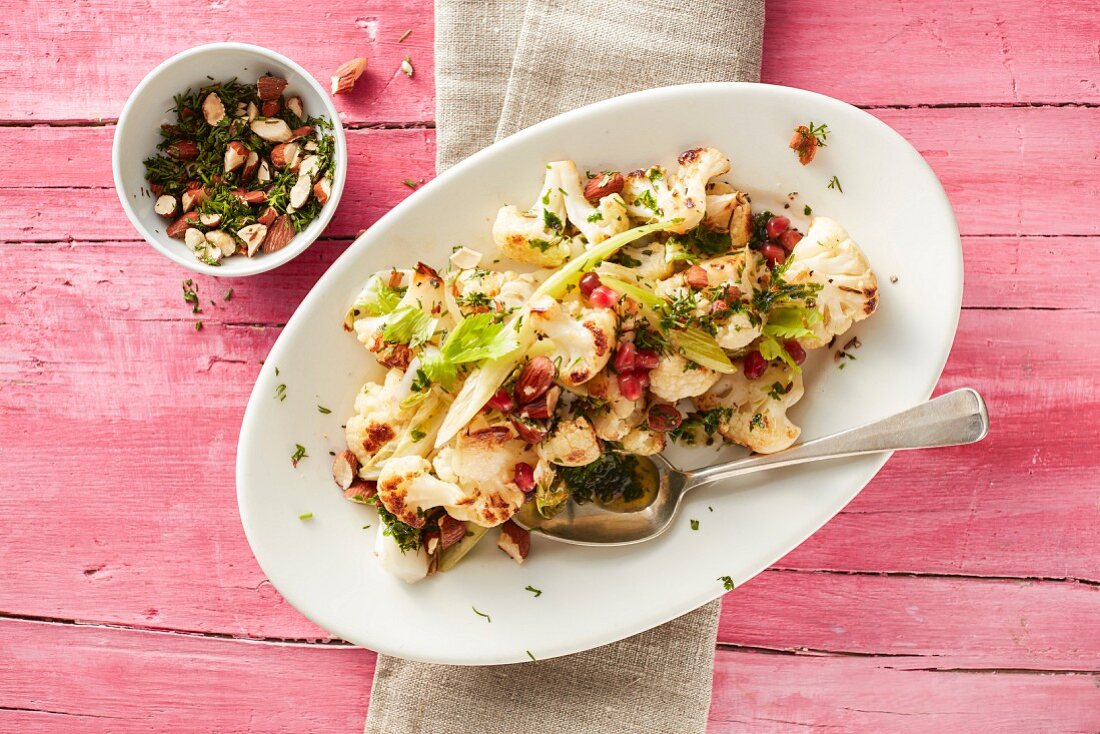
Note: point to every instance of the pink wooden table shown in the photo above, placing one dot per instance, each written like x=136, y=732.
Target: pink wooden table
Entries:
x=959, y=592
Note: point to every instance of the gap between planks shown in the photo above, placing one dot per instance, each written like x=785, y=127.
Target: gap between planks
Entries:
x=430, y=124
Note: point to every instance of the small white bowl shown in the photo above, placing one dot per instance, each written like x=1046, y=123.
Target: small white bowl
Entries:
x=149, y=107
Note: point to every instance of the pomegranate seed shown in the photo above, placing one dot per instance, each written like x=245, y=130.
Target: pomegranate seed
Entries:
x=643, y=377
x=604, y=297
x=664, y=417
x=525, y=476
x=625, y=357
x=755, y=364
x=502, y=401
x=589, y=283
x=789, y=239
x=696, y=277
x=646, y=359
x=798, y=354
x=630, y=386
x=777, y=226
x=719, y=306
x=773, y=254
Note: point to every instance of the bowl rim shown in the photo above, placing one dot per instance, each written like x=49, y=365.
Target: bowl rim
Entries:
x=582, y=641
x=268, y=261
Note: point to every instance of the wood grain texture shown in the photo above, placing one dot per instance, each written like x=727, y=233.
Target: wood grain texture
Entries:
x=73, y=62
x=997, y=184
x=954, y=594
x=122, y=681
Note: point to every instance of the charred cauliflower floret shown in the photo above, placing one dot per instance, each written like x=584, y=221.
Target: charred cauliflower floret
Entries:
x=582, y=337
x=644, y=442
x=724, y=301
x=475, y=290
x=425, y=295
x=481, y=461
x=729, y=210
x=657, y=194
x=536, y=236
x=572, y=443
x=826, y=255
x=407, y=487
x=675, y=378
x=616, y=415
x=755, y=411
x=598, y=221
x=378, y=420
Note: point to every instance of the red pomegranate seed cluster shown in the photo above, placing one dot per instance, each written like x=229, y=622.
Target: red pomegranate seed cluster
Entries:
x=633, y=366
x=781, y=240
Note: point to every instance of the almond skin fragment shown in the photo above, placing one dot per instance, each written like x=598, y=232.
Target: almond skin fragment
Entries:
x=279, y=234
x=166, y=206
x=535, y=379
x=177, y=228
x=361, y=490
x=301, y=132
x=250, y=197
x=603, y=184
x=804, y=143
x=213, y=111
x=345, y=467
x=235, y=155
x=270, y=109
x=322, y=190
x=253, y=236
x=267, y=217
x=345, y=76
x=294, y=104
x=451, y=531
x=515, y=541
x=185, y=150
x=251, y=163
x=286, y=155
x=272, y=130
x=269, y=88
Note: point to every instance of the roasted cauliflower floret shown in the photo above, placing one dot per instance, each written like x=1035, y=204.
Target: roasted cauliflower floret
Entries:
x=730, y=281
x=757, y=408
x=729, y=210
x=425, y=294
x=477, y=291
x=572, y=443
x=407, y=487
x=673, y=379
x=596, y=222
x=616, y=415
x=378, y=420
x=409, y=566
x=582, y=337
x=656, y=194
x=849, y=290
x=644, y=442
x=536, y=236
x=482, y=462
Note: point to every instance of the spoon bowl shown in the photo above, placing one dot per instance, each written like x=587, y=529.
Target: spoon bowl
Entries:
x=954, y=419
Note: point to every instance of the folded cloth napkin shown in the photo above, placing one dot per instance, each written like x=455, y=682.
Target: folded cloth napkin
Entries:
x=502, y=65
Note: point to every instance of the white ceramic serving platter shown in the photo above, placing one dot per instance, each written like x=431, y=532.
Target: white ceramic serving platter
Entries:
x=892, y=204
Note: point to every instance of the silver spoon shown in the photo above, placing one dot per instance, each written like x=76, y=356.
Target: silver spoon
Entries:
x=953, y=419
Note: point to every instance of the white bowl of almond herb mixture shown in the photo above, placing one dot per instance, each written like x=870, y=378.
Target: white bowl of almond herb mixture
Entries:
x=229, y=159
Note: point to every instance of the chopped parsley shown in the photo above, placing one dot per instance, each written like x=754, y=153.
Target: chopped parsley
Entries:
x=552, y=221
x=417, y=435
x=533, y=660
x=756, y=422
x=191, y=295
x=323, y=410
x=819, y=133
x=306, y=516
x=198, y=326
x=649, y=202
x=299, y=454
x=480, y=613
x=694, y=524
x=280, y=391
x=777, y=390
x=228, y=295
x=404, y=36
x=411, y=183
x=406, y=536
x=834, y=183
x=595, y=217
x=727, y=582
x=807, y=210
x=533, y=590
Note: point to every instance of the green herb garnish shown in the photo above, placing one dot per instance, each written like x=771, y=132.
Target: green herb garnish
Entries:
x=480, y=613
x=299, y=454
x=533, y=590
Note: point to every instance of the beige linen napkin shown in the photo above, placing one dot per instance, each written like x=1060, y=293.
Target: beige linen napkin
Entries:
x=501, y=66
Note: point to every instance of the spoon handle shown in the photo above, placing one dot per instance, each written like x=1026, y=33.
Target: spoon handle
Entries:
x=953, y=419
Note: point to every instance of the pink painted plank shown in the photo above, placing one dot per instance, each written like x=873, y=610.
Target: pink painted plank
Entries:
x=997, y=183
x=96, y=680
x=81, y=61
x=149, y=375
x=761, y=693
x=932, y=52
x=923, y=52
x=92, y=680
x=379, y=161
x=952, y=622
